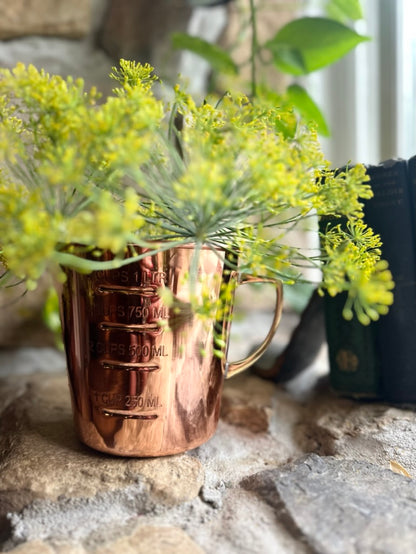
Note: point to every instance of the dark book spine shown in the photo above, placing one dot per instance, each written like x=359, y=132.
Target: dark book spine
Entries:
x=353, y=358
x=390, y=213
x=411, y=174
x=353, y=362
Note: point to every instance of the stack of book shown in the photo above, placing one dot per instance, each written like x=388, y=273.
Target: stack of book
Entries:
x=379, y=360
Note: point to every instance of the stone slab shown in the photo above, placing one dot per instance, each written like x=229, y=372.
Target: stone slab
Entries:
x=378, y=433
x=55, y=490
x=40, y=453
x=247, y=402
x=45, y=17
x=155, y=539
x=249, y=489
x=341, y=506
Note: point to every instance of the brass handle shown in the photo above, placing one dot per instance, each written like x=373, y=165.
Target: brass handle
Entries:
x=233, y=368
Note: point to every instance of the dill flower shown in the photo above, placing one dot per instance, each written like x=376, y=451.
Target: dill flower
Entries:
x=79, y=174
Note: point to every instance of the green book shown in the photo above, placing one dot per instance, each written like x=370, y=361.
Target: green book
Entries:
x=353, y=358
x=379, y=360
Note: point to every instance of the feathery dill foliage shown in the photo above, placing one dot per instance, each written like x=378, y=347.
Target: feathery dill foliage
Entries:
x=234, y=174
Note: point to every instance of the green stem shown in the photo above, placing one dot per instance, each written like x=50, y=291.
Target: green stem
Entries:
x=85, y=265
x=254, y=46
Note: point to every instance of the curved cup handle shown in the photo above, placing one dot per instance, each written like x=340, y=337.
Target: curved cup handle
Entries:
x=232, y=368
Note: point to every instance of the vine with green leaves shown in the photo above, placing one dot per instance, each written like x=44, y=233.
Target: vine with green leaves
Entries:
x=298, y=48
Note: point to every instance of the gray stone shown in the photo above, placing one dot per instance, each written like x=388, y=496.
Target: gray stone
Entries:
x=247, y=402
x=27, y=360
x=373, y=432
x=45, y=17
x=155, y=539
x=246, y=490
x=244, y=525
x=33, y=547
x=139, y=29
x=41, y=454
x=234, y=452
x=56, y=490
x=341, y=506
x=75, y=519
x=61, y=57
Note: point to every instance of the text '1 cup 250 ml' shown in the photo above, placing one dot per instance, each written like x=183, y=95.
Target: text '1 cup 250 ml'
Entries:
x=144, y=378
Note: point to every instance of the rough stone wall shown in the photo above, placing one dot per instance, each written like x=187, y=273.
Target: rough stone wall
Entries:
x=141, y=30
x=45, y=17
x=85, y=37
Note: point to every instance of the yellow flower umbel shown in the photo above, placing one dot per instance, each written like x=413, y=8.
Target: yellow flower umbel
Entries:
x=61, y=156
x=80, y=175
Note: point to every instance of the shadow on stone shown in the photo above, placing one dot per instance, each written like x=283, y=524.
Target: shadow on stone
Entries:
x=11, y=501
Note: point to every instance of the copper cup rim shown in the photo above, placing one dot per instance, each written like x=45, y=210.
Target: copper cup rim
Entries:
x=187, y=246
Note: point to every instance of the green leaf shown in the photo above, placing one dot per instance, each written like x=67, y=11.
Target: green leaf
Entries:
x=307, y=108
x=343, y=10
x=316, y=41
x=292, y=57
x=218, y=58
x=51, y=317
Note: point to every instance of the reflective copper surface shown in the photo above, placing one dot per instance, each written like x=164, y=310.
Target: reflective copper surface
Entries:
x=143, y=377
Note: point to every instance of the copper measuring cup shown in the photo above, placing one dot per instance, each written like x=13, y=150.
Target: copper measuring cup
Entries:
x=144, y=379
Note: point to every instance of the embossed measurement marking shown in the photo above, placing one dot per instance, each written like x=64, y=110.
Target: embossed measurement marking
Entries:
x=119, y=289
x=130, y=327
x=133, y=312
x=126, y=414
x=129, y=366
